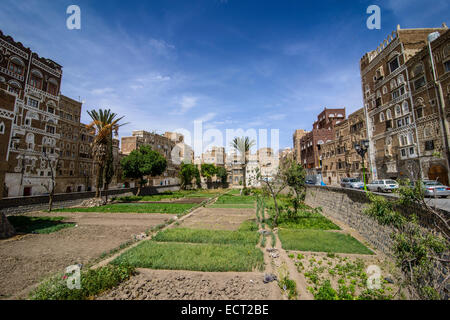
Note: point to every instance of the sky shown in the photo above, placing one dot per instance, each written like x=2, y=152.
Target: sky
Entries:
x=249, y=64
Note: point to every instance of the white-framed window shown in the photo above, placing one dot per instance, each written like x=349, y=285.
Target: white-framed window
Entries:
x=393, y=84
x=403, y=122
x=418, y=69
x=400, y=79
x=419, y=83
x=447, y=66
x=398, y=111
x=33, y=103
x=394, y=64
x=382, y=117
x=388, y=114
x=2, y=128
x=385, y=90
x=405, y=107
x=399, y=92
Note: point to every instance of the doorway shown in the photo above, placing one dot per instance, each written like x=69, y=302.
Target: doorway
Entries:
x=439, y=173
x=27, y=191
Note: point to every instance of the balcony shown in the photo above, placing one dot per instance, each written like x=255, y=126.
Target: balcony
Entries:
x=40, y=93
x=12, y=74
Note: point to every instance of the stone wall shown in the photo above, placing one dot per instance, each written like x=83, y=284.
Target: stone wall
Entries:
x=11, y=206
x=347, y=206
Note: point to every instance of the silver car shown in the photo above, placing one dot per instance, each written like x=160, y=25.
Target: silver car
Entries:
x=434, y=188
x=351, y=183
x=383, y=186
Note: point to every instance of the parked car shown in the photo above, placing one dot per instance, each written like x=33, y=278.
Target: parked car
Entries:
x=434, y=188
x=383, y=185
x=353, y=183
x=310, y=182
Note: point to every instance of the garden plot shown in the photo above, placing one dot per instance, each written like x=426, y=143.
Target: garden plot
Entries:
x=27, y=259
x=321, y=241
x=218, y=218
x=191, y=285
x=344, y=276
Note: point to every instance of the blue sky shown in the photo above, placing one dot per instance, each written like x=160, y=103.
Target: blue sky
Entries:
x=260, y=64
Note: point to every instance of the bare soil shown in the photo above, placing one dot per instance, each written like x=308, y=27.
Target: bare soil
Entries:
x=190, y=285
x=218, y=218
x=28, y=259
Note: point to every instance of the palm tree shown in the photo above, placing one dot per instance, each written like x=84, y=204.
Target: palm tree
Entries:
x=104, y=124
x=243, y=145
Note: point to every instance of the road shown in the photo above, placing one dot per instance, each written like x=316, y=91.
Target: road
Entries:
x=440, y=203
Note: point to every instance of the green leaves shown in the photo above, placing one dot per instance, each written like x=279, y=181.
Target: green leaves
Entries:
x=143, y=162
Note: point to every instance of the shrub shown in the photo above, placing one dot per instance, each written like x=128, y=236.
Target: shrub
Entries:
x=93, y=282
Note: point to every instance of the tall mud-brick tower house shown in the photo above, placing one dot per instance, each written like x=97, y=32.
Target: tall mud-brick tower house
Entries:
x=29, y=117
x=390, y=85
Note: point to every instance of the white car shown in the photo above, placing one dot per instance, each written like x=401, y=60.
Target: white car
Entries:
x=383, y=186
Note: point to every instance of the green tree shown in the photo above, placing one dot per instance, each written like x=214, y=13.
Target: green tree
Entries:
x=222, y=174
x=243, y=146
x=141, y=163
x=208, y=171
x=294, y=176
x=104, y=124
x=187, y=173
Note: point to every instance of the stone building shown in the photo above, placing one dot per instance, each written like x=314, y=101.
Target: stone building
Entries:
x=233, y=164
x=215, y=156
x=268, y=162
x=296, y=139
x=75, y=172
x=431, y=121
x=34, y=83
x=339, y=157
x=7, y=105
x=387, y=83
x=159, y=143
x=181, y=153
x=323, y=131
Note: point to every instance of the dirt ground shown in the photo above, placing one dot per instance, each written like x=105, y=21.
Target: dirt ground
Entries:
x=218, y=218
x=27, y=259
x=190, y=285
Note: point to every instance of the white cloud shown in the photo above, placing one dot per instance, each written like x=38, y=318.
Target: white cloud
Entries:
x=102, y=91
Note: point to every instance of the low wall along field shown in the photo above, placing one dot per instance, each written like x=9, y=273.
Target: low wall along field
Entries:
x=11, y=206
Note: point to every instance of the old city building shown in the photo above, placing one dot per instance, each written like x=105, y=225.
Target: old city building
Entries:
x=181, y=153
x=431, y=120
x=323, y=131
x=75, y=172
x=234, y=166
x=7, y=107
x=159, y=143
x=215, y=156
x=339, y=157
x=296, y=139
x=34, y=82
x=387, y=84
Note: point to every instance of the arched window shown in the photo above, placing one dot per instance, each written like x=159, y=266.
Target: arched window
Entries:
x=36, y=79
x=2, y=80
x=405, y=107
x=52, y=86
x=446, y=51
x=388, y=114
x=393, y=84
x=418, y=69
x=378, y=94
x=14, y=87
x=16, y=66
x=398, y=111
x=385, y=90
x=2, y=127
x=382, y=117
x=400, y=79
x=30, y=141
